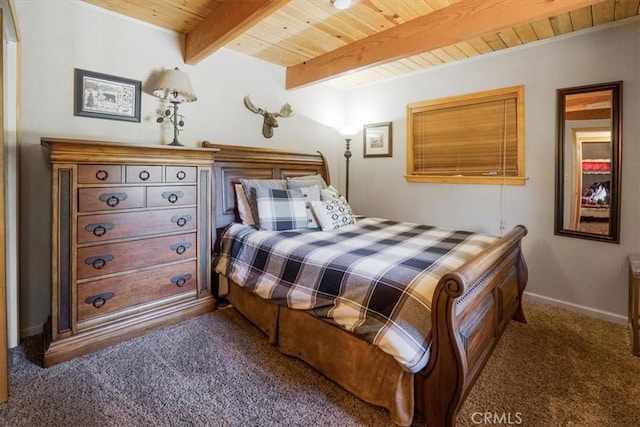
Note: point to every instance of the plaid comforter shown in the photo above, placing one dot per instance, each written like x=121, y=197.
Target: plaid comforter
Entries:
x=375, y=278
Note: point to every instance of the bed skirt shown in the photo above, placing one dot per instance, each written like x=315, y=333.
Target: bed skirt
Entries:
x=358, y=366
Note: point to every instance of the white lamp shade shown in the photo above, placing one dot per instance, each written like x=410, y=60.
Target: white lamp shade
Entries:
x=175, y=86
x=349, y=131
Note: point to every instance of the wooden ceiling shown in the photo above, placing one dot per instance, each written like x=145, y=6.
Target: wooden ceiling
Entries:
x=373, y=39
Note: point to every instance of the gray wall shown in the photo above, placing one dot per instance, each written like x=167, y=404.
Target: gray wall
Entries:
x=583, y=275
x=60, y=36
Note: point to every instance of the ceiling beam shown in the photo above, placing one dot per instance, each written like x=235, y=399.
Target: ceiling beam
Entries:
x=224, y=23
x=463, y=20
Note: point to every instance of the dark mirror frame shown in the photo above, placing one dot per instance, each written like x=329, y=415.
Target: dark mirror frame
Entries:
x=616, y=145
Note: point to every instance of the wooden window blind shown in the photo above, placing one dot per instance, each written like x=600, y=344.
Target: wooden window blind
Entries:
x=474, y=138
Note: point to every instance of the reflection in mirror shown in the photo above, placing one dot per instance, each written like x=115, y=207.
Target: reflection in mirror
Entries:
x=588, y=162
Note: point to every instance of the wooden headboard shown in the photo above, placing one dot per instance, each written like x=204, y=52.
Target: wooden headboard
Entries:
x=233, y=162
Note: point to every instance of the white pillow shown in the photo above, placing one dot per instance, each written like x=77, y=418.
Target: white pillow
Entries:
x=244, y=209
x=311, y=194
x=329, y=193
x=333, y=214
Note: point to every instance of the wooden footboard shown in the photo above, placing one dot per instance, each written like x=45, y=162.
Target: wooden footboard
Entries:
x=471, y=309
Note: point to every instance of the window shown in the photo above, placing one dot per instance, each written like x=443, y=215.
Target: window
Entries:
x=474, y=138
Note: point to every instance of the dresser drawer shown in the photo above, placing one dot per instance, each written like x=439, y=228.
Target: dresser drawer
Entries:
x=104, y=227
x=105, y=296
x=180, y=174
x=99, y=174
x=110, y=198
x=143, y=173
x=171, y=196
x=96, y=261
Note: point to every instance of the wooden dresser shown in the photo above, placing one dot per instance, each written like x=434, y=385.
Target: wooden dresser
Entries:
x=131, y=228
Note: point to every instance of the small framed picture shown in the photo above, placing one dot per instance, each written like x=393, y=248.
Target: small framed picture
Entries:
x=378, y=140
x=106, y=97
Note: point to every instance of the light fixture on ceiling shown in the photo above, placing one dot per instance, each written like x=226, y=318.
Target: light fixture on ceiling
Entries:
x=341, y=4
x=175, y=87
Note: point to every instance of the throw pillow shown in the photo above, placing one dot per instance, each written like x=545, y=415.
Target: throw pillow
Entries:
x=244, y=209
x=306, y=181
x=333, y=214
x=250, y=186
x=311, y=194
x=281, y=209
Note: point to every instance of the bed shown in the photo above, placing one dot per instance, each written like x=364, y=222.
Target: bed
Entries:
x=471, y=307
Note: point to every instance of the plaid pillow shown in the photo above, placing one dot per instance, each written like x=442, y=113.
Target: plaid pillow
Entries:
x=281, y=209
x=250, y=185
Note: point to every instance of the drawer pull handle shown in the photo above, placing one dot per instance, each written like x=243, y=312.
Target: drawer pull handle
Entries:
x=112, y=199
x=180, y=248
x=98, y=262
x=180, y=281
x=99, y=230
x=172, y=196
x=181, y=221
x=144, y=175
x=102, y=175
x=181, y=175
x=99, y=300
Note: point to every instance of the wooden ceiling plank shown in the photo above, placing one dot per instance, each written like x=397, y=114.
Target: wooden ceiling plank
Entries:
x=274, y=53
x=509, y=37
x=325, y=22
x=625, y=9
x=543, y=28
x=480, y=45
x=526, y=33
x=226, y=22
x=455, y=52
x=462, y=20
x=581, y=18
x=603, y=12
x=494, y=41
x=443, y=55
x=467, y=48
x=561, y=24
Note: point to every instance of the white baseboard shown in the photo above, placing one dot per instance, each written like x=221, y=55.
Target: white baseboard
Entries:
x=592, y=312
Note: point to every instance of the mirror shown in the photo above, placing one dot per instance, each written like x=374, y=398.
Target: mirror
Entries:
x=588, y=162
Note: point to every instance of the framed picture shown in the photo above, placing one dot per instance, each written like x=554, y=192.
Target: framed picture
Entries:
x=106, y=97
x=378, y=140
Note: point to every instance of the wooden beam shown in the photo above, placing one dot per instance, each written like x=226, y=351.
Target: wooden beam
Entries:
x=463, y=20
x=226, y=22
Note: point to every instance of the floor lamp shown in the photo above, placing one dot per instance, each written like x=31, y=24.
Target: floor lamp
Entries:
x=347, y=133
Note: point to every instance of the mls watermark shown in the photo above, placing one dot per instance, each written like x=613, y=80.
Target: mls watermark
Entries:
x=497, y=418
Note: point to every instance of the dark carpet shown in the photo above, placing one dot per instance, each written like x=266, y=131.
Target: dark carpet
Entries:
x=560, y=369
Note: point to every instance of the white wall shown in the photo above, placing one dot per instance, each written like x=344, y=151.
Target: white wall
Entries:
x=58, y=36
x=578, y=272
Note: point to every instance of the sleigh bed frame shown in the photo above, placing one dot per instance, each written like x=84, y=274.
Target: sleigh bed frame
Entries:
x=471, y=308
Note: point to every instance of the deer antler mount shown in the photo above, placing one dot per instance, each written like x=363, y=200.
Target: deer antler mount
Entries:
x=270, y=119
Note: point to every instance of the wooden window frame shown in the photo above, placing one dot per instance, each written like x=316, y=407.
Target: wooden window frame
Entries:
x=514, y=92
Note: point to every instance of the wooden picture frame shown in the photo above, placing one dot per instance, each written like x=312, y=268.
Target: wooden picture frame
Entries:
x=103, y=96
x=378, y=140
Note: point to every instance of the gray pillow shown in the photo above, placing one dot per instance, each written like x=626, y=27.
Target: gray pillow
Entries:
x=306, y=181
x=250, y=185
